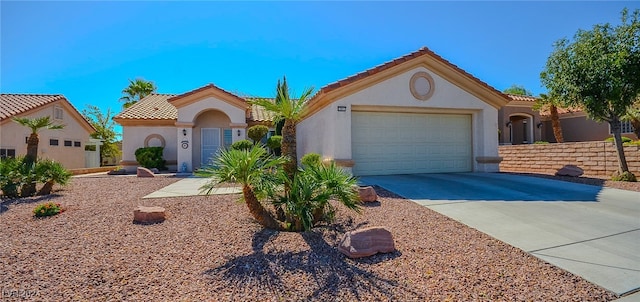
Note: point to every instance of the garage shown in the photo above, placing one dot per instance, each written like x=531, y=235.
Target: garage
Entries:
x=409, y=143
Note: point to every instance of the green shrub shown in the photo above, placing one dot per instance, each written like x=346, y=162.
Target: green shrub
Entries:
x=242, y=145
x=274, y=143
x=541, y=143
x=151, y=157
x=624, y=139
x=624, y=176
x=257, y=132
x=10, y=176
x=310, y=159
x=47, y=209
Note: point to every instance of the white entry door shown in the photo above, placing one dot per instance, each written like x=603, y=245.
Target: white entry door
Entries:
x=210, y=144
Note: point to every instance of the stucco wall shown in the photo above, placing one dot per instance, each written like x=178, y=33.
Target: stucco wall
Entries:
x=595, y=158
x=12, y=135
x=331, y=129
x=579, y=129
x=133, y=137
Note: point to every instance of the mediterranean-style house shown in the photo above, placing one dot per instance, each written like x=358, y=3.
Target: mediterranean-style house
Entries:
x=520, y=124
x=66, y=145
x=418, y=113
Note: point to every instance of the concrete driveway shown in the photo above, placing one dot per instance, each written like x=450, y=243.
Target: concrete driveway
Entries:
x=589, y=231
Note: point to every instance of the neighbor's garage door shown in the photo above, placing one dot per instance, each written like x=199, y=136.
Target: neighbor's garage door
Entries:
x=406, y=143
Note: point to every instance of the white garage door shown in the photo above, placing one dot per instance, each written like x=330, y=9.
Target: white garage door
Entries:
x=406, y=143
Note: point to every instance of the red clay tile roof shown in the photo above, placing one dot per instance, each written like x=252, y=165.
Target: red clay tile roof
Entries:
x=421, y=52
x=14, y=104
x=210, y=85
x=259, y=114
x=522, y=98
x=152, y=107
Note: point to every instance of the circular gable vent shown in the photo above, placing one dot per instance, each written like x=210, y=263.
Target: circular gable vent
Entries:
x=421, y=86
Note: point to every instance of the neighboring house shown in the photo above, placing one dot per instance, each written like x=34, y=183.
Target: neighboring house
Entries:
x=415, y=114
x=520, y=124
x=65, y=145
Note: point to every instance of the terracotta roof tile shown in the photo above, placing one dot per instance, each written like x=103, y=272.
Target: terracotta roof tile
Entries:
x=522, y=98
x=14, y=104
x=421, y=52
x=152, y=107
x=258, y=113
x=205, y=87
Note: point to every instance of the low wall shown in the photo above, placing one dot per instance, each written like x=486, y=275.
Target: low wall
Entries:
x=91, y=170
x=595, y=158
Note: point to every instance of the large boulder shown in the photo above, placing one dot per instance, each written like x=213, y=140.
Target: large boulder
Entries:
x=144, y=172
x=144, y=214
x=366, y=242
x=570, y=170
x=367, y=194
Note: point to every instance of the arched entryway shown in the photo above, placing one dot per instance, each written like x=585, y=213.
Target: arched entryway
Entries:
x=520, y=129
x=211, y=132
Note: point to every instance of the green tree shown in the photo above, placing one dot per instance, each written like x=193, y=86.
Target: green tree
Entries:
x=257, y=132
x=105, y=130
x=288, y=110
x=279, y=97
x=518, y=90
x=633, y=116
x=35, y=124
x=137, y=90
x=599, y=71
x=547, y=102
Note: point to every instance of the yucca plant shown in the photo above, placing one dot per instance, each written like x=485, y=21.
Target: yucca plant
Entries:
x=51, y=172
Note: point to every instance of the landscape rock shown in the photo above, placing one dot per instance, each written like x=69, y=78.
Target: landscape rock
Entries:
x=144, y=214
x=570, y=170
x=366, y=242
x=367, y=194
x=144, y=172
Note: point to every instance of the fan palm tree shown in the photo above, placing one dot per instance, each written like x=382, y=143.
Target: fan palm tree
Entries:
x=290, y=111
x=35, y=124
x=544, y=102
x=255, y=170
x=50, y=173
x=137, y=90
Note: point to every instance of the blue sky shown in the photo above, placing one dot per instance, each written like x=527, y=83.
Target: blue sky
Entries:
x=88, y=50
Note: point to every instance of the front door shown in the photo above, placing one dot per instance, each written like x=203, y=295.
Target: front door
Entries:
x=210, y=144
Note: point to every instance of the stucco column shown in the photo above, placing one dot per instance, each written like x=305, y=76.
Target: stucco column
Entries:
x=184, y=132
x=238, y=131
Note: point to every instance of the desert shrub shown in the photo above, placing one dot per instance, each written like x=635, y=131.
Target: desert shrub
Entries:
x=274, y=143
x=541, y=143
x=10, y=176
x=257, y=132
x=151, y=157
x=310, y=159
x=47, y=209
x=624, y=176
x=242, y=145
x=624, y=139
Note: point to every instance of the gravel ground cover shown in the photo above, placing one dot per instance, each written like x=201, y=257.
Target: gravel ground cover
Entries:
x=209, y=249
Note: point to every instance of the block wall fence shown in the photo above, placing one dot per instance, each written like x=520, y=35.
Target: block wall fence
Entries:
x=595, y=158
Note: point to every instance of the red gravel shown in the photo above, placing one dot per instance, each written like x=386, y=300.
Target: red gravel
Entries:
x=210, y=249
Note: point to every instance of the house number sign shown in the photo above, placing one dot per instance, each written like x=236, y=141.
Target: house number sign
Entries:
x=185, y=144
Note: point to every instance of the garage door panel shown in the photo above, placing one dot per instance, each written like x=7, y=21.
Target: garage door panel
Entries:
x=405, y=143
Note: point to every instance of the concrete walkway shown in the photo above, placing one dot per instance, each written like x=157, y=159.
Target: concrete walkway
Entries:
x=190, y=187
x=587, y=230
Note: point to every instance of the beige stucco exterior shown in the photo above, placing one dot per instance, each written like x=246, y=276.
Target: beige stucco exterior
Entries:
x=13, y=135
x=328, y=131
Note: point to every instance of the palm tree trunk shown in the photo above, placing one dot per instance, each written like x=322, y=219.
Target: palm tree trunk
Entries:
x=258, y=211
x=617, y=138
x=289, y=148
x=32, y=148
x=46, y=189
x=555, y=124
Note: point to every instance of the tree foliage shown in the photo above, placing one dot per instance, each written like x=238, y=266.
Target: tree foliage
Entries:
x=257, y=132
x=518, y=90
x=105, y=130
x=599, y=71
x=547, y=102
x=137, y=90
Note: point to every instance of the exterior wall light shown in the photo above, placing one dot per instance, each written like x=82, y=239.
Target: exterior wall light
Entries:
x=239, y=132
x=184, y=132
x=342, y=108
x=539, y=125
x=508, y=124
